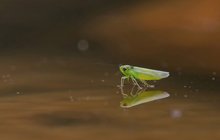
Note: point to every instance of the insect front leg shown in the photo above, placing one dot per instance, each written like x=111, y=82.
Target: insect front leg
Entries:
x=122, y=81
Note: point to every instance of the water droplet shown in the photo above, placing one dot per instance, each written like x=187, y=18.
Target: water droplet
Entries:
x=83, y=45
x=176, y=113
x=185, y=95
x=214, y=73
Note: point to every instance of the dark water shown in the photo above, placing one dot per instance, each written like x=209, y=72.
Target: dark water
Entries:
x=76, y=97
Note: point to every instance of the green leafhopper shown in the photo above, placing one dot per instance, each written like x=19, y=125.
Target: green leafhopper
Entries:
x=142, y=74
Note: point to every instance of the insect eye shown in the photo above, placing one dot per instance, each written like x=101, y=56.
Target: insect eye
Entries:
x=124, y=69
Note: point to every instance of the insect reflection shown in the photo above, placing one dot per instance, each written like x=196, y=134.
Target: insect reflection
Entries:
x=141, y=96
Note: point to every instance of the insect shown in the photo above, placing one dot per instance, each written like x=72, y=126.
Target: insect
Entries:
x=141, y=74
x=143, y=97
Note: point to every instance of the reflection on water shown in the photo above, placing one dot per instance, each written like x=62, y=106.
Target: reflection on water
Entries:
x=141, y=97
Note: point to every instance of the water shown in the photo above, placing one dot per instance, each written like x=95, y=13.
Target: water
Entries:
x=75, y=97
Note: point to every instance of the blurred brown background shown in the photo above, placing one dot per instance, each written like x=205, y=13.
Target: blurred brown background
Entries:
x=57, y=81
x=172, y=35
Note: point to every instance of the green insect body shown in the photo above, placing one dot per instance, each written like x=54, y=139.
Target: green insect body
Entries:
x=143, y=97
x=142, y=74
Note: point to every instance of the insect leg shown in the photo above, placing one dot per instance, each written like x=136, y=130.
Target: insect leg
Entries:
x=139, y=91
x=122, y=80
x=146, y=84
x=132, y=90
x=122, y=92
x=136, y=83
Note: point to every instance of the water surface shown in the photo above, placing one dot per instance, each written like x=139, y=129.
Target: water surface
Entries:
x=63, y=97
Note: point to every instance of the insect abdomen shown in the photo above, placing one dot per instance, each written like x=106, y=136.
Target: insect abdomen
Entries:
x=148, y=77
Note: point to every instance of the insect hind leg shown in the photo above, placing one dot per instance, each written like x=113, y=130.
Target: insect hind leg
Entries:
x=146, y=84
x=135, y=82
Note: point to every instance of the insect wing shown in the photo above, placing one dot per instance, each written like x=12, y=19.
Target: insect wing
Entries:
x=150, y=74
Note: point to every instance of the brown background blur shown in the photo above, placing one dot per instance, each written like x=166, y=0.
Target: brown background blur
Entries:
x=172, y=35
x=57, y=80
